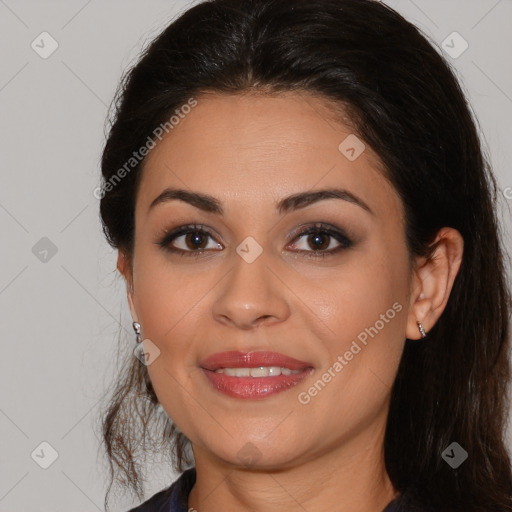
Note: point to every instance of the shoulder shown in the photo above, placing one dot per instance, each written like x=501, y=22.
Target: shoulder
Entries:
x=404, y=503
x=171, y=499
x=156, y=503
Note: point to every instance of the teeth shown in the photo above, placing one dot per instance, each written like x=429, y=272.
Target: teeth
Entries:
x=261, y=371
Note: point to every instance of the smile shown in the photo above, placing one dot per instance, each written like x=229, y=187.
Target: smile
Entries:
x=261, y=371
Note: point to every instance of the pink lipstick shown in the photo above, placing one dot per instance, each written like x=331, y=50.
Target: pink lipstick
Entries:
x=254, y=375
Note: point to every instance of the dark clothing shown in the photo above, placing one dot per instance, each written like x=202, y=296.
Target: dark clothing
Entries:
x=175, y=497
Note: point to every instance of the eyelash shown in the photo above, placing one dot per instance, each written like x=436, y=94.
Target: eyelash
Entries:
x=317, y=228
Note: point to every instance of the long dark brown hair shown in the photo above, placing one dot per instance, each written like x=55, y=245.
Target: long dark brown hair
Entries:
x=404, y=102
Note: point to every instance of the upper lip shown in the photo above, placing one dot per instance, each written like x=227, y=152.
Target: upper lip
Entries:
x=236, y=359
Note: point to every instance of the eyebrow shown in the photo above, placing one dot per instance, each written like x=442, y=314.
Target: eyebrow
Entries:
x=211, y=204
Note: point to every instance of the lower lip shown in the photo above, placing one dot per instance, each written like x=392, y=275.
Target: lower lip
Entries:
x=254, y=387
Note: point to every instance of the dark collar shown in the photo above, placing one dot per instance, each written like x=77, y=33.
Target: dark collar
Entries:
x=175, y=497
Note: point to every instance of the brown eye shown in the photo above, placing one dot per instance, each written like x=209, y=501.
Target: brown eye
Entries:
x=196, y=240
x=321, y=240
x=188, y=241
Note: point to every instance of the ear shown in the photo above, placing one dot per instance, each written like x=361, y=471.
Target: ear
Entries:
x=124, y=267
x=433, y=281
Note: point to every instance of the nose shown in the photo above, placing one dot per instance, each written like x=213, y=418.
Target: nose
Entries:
x=251, y=295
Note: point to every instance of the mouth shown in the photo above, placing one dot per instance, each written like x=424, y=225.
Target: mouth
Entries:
x=259, y=371
x=253, y=375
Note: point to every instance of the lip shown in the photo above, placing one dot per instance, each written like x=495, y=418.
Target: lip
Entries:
x=236, y=359
x=253, y=387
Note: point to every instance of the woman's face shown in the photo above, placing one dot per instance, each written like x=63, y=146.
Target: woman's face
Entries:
x=336, y=299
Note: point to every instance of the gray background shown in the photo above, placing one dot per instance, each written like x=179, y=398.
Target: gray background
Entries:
x=60, y=313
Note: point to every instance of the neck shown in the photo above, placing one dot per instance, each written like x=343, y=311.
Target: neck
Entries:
x=347, y=478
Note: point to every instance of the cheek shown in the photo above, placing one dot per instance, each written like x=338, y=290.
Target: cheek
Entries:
x=169, y=311
x=363, y=349
x=168, y=300
x=354, y=296
x=365, y=309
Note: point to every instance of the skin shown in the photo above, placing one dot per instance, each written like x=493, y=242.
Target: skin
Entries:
x=249, y=152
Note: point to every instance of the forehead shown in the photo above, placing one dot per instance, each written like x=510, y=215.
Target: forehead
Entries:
x=255, y=147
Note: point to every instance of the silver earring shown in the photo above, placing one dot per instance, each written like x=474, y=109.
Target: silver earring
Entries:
x=422, y=331
x=136, y=328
